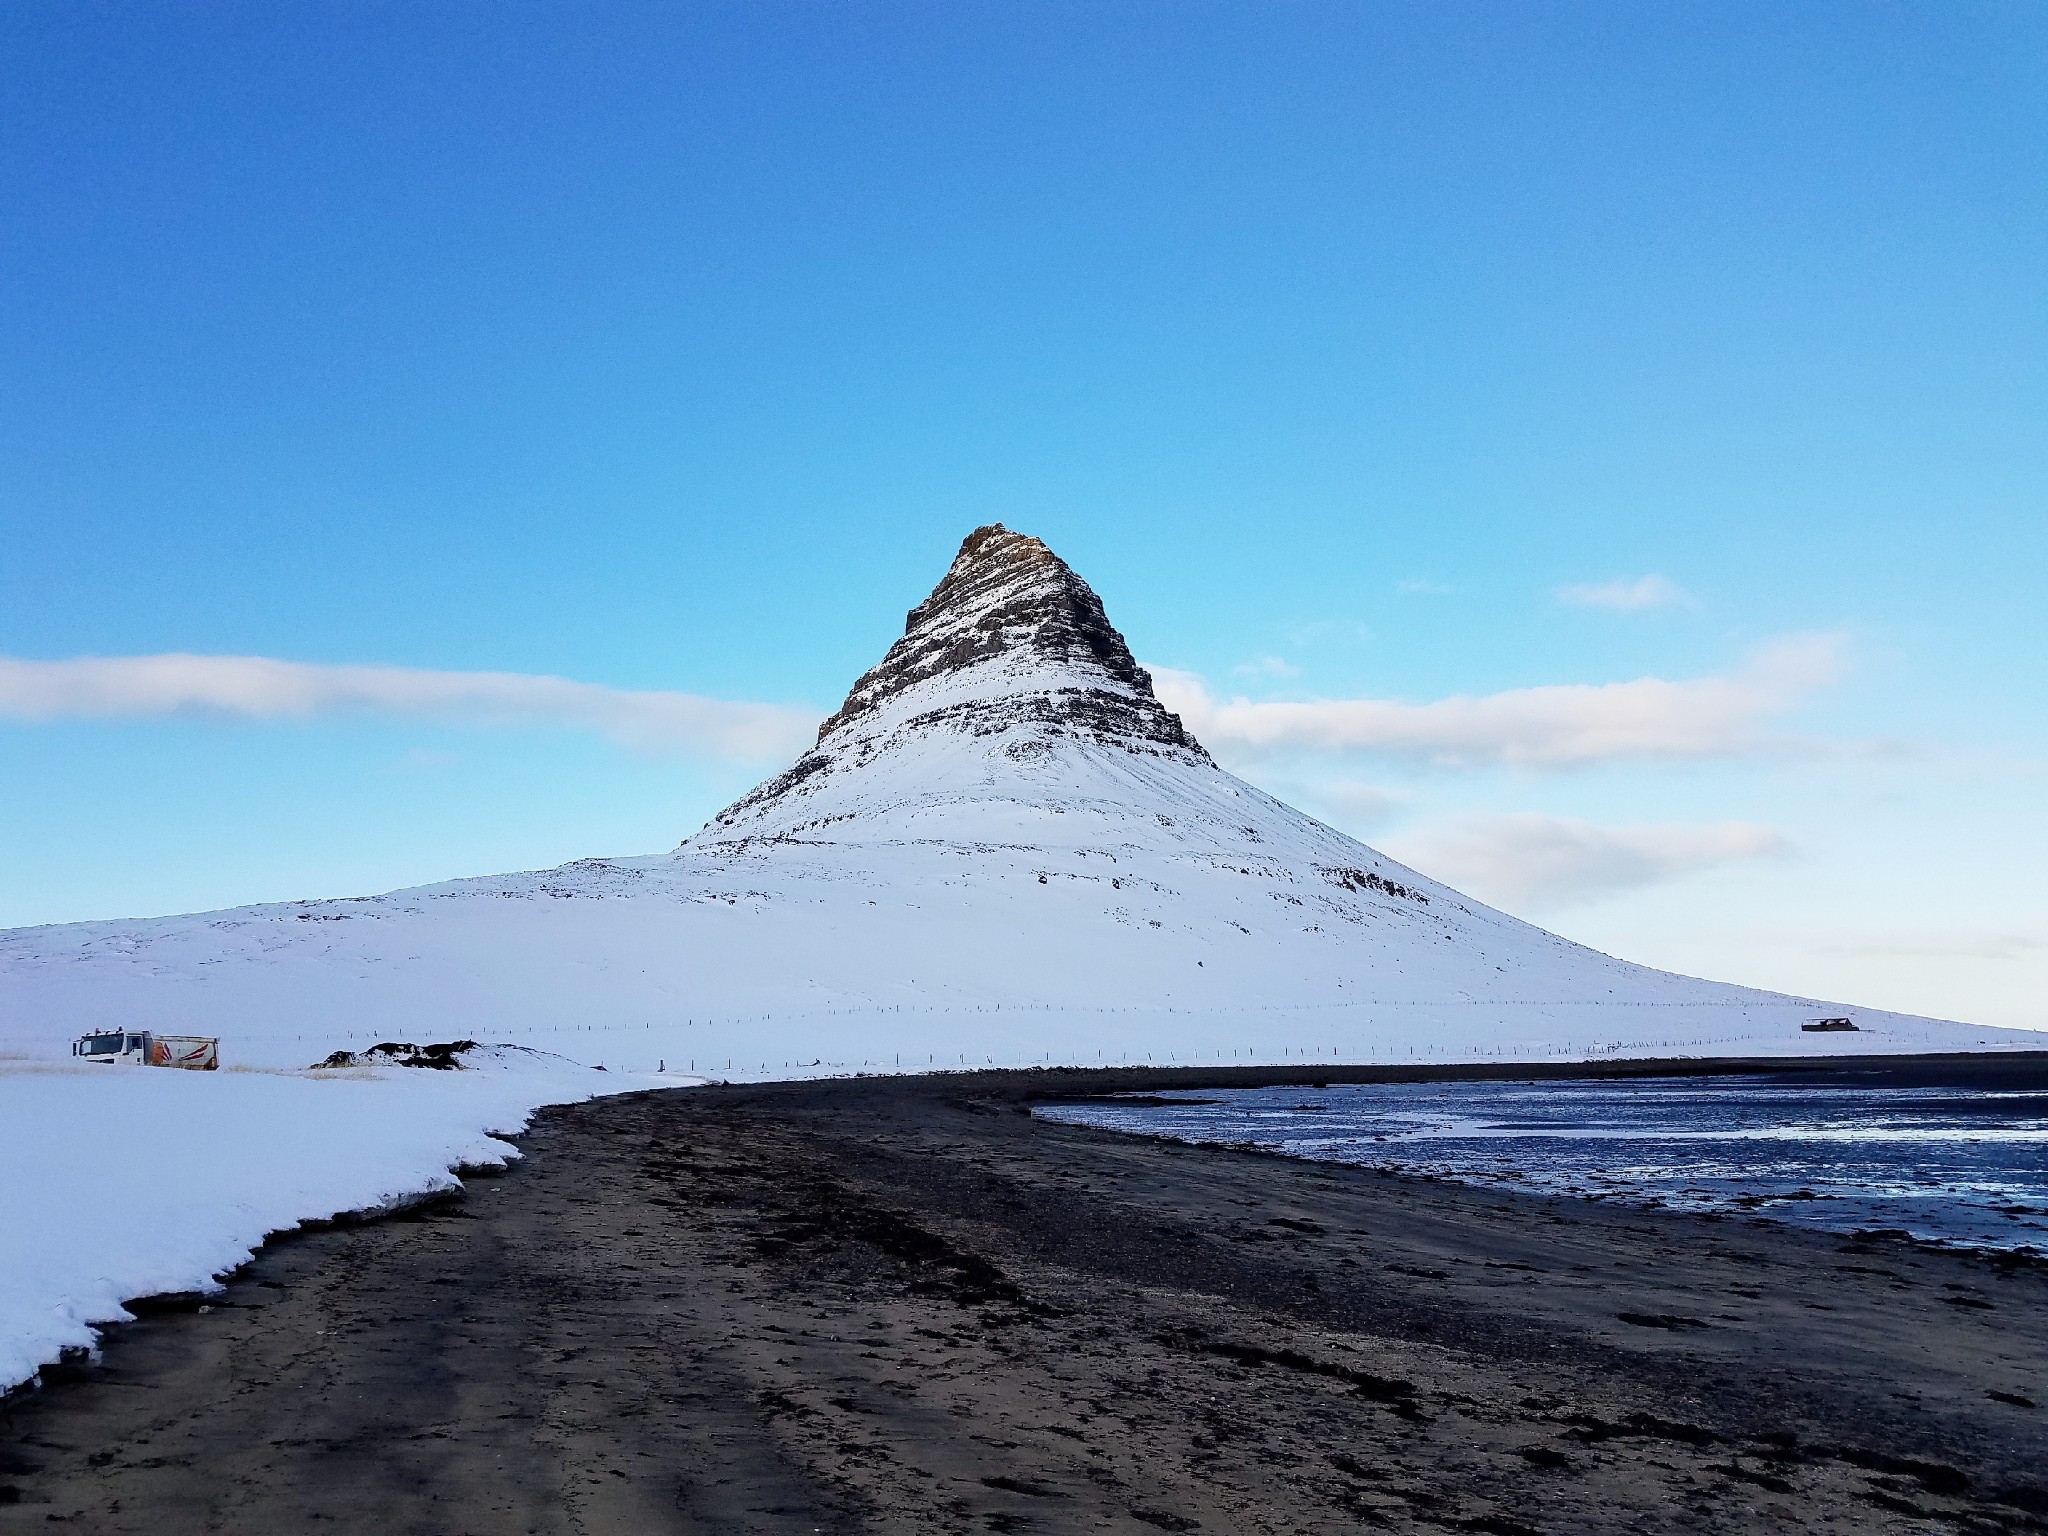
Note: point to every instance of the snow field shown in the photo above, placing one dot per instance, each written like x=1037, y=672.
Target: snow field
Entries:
x=125, y=1181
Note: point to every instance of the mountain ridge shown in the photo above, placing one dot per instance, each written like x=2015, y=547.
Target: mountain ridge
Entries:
x=1005, y=594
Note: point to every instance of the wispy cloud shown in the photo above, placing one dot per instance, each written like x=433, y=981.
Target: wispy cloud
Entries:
x=261, y=688
x=1525, y=860
x=1312, y=634
x=1629, y=596
x=424, y=760
x=1562, y=725
x=1354, y=804
x=1988, y=946
x=1266, y=666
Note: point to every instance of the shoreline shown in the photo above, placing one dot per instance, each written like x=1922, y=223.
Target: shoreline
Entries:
x=2021, y=1257
x=907, y=1303
x=2012, y=1070
x=1960, y=1070
x=2001, y=1069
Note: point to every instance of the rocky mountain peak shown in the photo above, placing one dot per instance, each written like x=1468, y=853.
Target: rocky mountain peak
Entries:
x=1012, y=622
x=1011, y=650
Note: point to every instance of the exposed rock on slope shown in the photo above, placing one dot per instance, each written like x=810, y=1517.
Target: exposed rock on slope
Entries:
x=1008, y=605
x=1010, y=639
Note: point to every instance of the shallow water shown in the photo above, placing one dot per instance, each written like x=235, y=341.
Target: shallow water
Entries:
x=1957, y=1165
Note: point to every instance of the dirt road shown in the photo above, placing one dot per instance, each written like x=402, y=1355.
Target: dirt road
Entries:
x=907, y=1306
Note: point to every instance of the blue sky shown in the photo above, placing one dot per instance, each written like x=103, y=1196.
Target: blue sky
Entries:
x=1357, y=355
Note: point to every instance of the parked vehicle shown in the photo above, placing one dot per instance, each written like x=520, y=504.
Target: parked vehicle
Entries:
x=197, y=1053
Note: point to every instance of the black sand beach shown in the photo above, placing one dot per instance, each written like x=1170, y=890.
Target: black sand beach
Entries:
x=906, y=1305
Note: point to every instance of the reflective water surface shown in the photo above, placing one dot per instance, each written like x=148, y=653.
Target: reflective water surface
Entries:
x=1966, y=1166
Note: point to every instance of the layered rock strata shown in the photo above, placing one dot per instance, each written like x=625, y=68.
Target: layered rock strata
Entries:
x=1011, y=641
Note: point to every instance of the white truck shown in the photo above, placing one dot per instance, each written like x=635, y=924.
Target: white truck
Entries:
x=196, y=1053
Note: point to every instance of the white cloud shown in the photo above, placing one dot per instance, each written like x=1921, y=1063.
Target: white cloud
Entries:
x=1629, y=596
x=1561, y=725
x=1524, y=860
x=258, y=687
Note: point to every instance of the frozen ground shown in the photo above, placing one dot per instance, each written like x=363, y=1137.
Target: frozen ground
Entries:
x=123, y=1182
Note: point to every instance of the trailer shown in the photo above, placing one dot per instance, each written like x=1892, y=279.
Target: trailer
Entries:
x=195, y=1053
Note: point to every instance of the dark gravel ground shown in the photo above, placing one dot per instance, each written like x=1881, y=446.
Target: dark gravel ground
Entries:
x=906, y=1305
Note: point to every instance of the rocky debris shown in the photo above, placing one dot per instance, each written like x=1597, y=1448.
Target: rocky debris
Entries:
x=402, y=1053
x=1366, y=880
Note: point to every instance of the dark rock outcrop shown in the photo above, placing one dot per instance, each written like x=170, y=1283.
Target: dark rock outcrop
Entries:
x=403, y=1053
x=1033, y=653
x=1008, y=597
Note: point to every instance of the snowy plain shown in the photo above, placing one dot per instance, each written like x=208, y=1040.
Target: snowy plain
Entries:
x=126, y=1181
x=943, y=906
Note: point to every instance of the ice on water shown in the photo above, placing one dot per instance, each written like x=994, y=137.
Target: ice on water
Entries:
x=1966, y=1166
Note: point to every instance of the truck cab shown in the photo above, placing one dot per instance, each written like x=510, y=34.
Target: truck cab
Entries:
x=113, y=1045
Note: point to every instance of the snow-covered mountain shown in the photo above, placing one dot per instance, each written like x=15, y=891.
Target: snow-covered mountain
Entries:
x=1001, y=849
